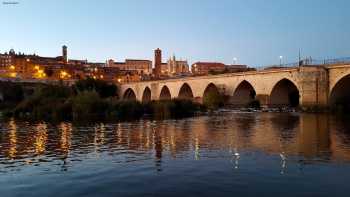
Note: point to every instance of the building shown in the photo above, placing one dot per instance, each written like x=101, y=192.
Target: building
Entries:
x=142, y=67
x=164, y=70
x=5, y=63
x=32, y=66
x=157, y=62
x=171, y=68
x=64, y=54
x=176, y=67
x=5, y=60
x=237, y=68
x=204, y=68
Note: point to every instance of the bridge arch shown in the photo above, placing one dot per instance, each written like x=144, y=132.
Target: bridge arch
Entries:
x=210, y=91
x=165, y=93
x=243, y=94
x=129, y=94
x=285, y=93
x=340, y=94
x=185, y=92
x=147, y=95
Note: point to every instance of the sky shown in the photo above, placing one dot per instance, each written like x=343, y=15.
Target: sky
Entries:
x=256, y=32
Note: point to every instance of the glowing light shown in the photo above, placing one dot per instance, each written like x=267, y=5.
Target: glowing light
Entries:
x=12, y=67
x=101, y=76
x=119, y=80
x=39, y=73
x=64, y=74
x=13, y=74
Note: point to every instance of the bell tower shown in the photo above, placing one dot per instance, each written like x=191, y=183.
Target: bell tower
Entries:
x=157, y=62
x=64, y=54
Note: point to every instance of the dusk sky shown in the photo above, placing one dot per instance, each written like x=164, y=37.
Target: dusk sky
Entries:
x=256, y=32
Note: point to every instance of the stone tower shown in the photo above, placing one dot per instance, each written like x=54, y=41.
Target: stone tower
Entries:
x=64, y=54
x=157, y=62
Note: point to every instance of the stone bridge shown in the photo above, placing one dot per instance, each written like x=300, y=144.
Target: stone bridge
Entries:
x=305, y=86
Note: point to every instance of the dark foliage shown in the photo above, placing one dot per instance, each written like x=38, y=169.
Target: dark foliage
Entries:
x=254, y=104
x=103, y=88
x=213, y=100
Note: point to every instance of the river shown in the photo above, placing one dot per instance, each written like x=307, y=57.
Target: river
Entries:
x=224, y=154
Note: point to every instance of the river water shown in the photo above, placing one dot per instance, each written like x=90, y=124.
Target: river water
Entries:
x=227, y=154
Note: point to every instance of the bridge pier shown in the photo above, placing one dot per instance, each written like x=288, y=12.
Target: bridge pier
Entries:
x=313, y=86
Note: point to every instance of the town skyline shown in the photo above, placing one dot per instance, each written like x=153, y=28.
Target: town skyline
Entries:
x=256, y=33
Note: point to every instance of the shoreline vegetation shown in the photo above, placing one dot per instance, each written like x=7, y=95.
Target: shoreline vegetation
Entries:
x=88, y=99
x=91, y=99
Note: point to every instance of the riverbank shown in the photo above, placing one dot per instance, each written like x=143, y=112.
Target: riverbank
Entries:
x=89, y=107
x=87, y=100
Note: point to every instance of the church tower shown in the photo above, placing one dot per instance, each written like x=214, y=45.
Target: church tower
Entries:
x=64, y=54
x=157, y=62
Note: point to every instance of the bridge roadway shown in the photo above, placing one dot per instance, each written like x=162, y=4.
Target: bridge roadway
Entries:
x=306, y=86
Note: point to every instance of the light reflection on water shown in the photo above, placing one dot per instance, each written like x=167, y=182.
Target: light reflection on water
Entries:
x=206, y=156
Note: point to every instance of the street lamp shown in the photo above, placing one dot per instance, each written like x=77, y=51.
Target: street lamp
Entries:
x=235, y=60
x=281, y=57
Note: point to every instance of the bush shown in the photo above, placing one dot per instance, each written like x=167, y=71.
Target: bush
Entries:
x=89, y=105
x=254, y=104
x=101, y=87
x=64, y=111
x=184, y=108
x=53, y=91
x=45, y=103
x=11, y=95
x=60, y=102
x=176, y=108
x=213, y=100
x=126, y=110
x=162, y=109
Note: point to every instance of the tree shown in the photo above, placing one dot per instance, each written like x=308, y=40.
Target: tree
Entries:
x=213, y=100
x=103, y=88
